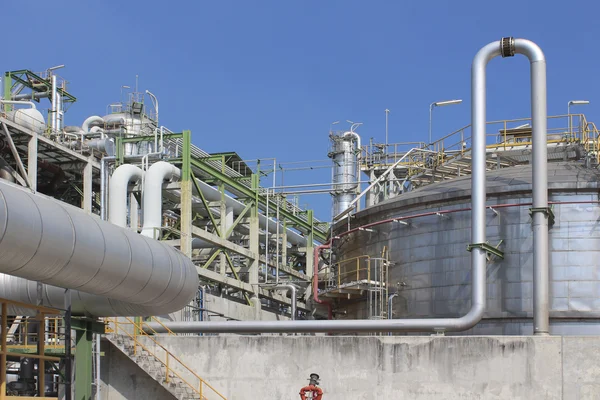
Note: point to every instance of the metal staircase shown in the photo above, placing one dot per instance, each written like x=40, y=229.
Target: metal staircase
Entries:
x=158, y=362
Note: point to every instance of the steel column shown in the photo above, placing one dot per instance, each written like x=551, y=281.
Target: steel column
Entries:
x=254, y=236
x=86, y=202
x=186, y=196
x=32, y=156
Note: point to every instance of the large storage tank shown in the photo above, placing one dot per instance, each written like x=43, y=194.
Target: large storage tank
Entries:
x=431, y=269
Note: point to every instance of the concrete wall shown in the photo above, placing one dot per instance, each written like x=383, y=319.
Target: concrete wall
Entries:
x=122, y=379
x=397, y=367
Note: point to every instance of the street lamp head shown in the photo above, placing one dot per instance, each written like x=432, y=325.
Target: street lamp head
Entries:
x=447, y=102
x=578, y=102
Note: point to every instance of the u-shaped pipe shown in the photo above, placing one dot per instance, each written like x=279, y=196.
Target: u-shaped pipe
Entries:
x=505, y=47
x=120, y=180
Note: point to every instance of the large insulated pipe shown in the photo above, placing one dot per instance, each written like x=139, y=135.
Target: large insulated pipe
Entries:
x=45, y=240
x=478, y=233
x=123, y=176
x=156, y=175
x=82, y=304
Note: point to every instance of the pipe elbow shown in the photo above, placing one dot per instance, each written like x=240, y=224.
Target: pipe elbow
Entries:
x=123, y=176
x=529, y=49
x=486, y=53
x=472, y=318
x=94, y=119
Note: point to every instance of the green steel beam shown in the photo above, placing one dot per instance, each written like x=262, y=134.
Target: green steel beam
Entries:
x=237, y=220
x=187, y=155
x=15, y=75
x=83, y=364
x=230, y=262
x=212, y=258
x=7, y=90
x=250, y=193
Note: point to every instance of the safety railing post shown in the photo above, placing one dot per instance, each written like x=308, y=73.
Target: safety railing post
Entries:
x=167, y=365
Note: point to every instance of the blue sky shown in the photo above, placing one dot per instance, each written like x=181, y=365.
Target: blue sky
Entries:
x=266, y=78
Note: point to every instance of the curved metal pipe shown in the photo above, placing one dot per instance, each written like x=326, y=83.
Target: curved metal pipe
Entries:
x=478, y=233
x=156, y=175
x=292, y=289
x=44, y=240
x=28, y=103
x=124, y=175
x=89, y=120
x=356, y=137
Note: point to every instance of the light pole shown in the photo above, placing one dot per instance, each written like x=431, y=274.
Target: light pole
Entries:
x=387, y=113
x=155, y=101
x=574, y=103
x=439, y=104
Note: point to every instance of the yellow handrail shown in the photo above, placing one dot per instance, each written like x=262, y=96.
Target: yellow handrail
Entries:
x=139, y=331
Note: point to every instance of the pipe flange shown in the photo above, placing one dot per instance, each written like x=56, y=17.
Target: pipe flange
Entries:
x=507, y=46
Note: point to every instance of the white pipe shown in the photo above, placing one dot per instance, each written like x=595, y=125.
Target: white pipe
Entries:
x=83, y=304
x=49, y=241
x=89, y=120
x=478, y=222
x=357, y=139
x=54, y=111
x=156, y=175
x=124, y=175
x=29, y=103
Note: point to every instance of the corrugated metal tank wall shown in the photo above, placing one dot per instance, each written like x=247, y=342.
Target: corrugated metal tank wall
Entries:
x=431, y=269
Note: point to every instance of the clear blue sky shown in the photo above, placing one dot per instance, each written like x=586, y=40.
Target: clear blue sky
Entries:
x=266, y=78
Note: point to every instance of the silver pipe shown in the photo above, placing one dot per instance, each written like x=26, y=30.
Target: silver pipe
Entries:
x=103, y=184
x=98, y=385
x=32, y=96
x=292, y=289
x=390, y=304
x=29, y=103
x=83, y=304
x=478, y=233
x=45, y=240
x=124, y=176
x=541, y=320
x=94, y=119
x=53, y=105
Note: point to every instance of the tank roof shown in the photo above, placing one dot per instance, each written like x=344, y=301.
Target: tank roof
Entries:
x=570, y=176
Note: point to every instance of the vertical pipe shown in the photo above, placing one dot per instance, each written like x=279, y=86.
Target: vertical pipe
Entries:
x=98, y=336
x=541, y=321
x=267, y=240
x=3, y=360
x=54, y=105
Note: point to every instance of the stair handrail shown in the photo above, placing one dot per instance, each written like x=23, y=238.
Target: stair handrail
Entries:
x=138, y=330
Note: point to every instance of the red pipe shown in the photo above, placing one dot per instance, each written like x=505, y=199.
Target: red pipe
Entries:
x=326, y=245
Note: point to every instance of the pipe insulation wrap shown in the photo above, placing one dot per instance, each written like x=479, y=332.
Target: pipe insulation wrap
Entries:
x=123, y=176
x=44, y=240
x=82, y=304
